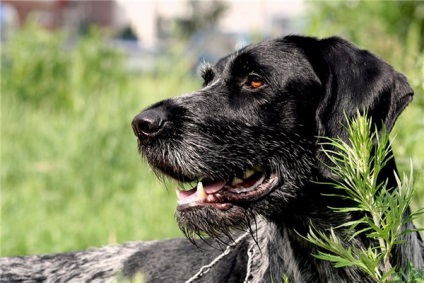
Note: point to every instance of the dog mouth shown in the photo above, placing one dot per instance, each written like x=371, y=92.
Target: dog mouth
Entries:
x=253, y=184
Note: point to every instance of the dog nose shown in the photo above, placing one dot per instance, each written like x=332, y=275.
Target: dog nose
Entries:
x=148, y=124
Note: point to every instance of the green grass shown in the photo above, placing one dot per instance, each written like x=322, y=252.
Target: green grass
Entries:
x=71, y=177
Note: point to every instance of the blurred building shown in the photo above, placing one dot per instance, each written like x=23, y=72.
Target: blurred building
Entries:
x=265, y=17
x=152, y=19
x=53, y=14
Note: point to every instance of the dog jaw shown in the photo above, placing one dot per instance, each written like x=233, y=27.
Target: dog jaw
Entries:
x=204, y=208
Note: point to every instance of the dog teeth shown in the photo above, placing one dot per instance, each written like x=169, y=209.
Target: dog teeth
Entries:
x=248, y=174
x=236, y=181
x=200, y=191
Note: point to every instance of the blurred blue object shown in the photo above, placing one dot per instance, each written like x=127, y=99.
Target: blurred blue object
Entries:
x=210, y=46
x=139, y=59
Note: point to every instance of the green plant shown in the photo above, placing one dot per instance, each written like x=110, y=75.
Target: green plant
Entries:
x=402, y=20
x=357, y=165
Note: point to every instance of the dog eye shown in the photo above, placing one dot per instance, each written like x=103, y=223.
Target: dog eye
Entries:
x=254, y=82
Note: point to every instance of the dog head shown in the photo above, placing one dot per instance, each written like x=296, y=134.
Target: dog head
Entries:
x=248, y=141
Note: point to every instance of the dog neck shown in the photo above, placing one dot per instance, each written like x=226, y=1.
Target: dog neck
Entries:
x=281, y=252
x=273, y=260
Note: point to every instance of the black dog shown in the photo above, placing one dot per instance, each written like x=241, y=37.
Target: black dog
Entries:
x=248, y=142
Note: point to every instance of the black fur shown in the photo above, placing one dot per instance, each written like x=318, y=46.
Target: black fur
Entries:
x=306, y=87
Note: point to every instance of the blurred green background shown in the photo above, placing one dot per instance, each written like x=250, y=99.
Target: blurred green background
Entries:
x=71, y=177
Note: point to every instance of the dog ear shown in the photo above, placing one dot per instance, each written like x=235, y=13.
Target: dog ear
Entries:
x=357, y=80
x=352, y=80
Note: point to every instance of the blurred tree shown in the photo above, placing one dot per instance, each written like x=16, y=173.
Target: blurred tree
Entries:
x=204, y=15
x=40, y=67
x=369, y=20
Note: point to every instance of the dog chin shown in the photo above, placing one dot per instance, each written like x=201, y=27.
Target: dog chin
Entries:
x=213, y=220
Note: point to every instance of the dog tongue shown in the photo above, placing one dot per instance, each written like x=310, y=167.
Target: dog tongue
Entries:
x=213, y=187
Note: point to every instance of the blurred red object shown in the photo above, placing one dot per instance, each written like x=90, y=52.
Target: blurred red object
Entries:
x=53, y=9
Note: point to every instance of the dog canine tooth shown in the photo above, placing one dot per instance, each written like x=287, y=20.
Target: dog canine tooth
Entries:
x=201, y=194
